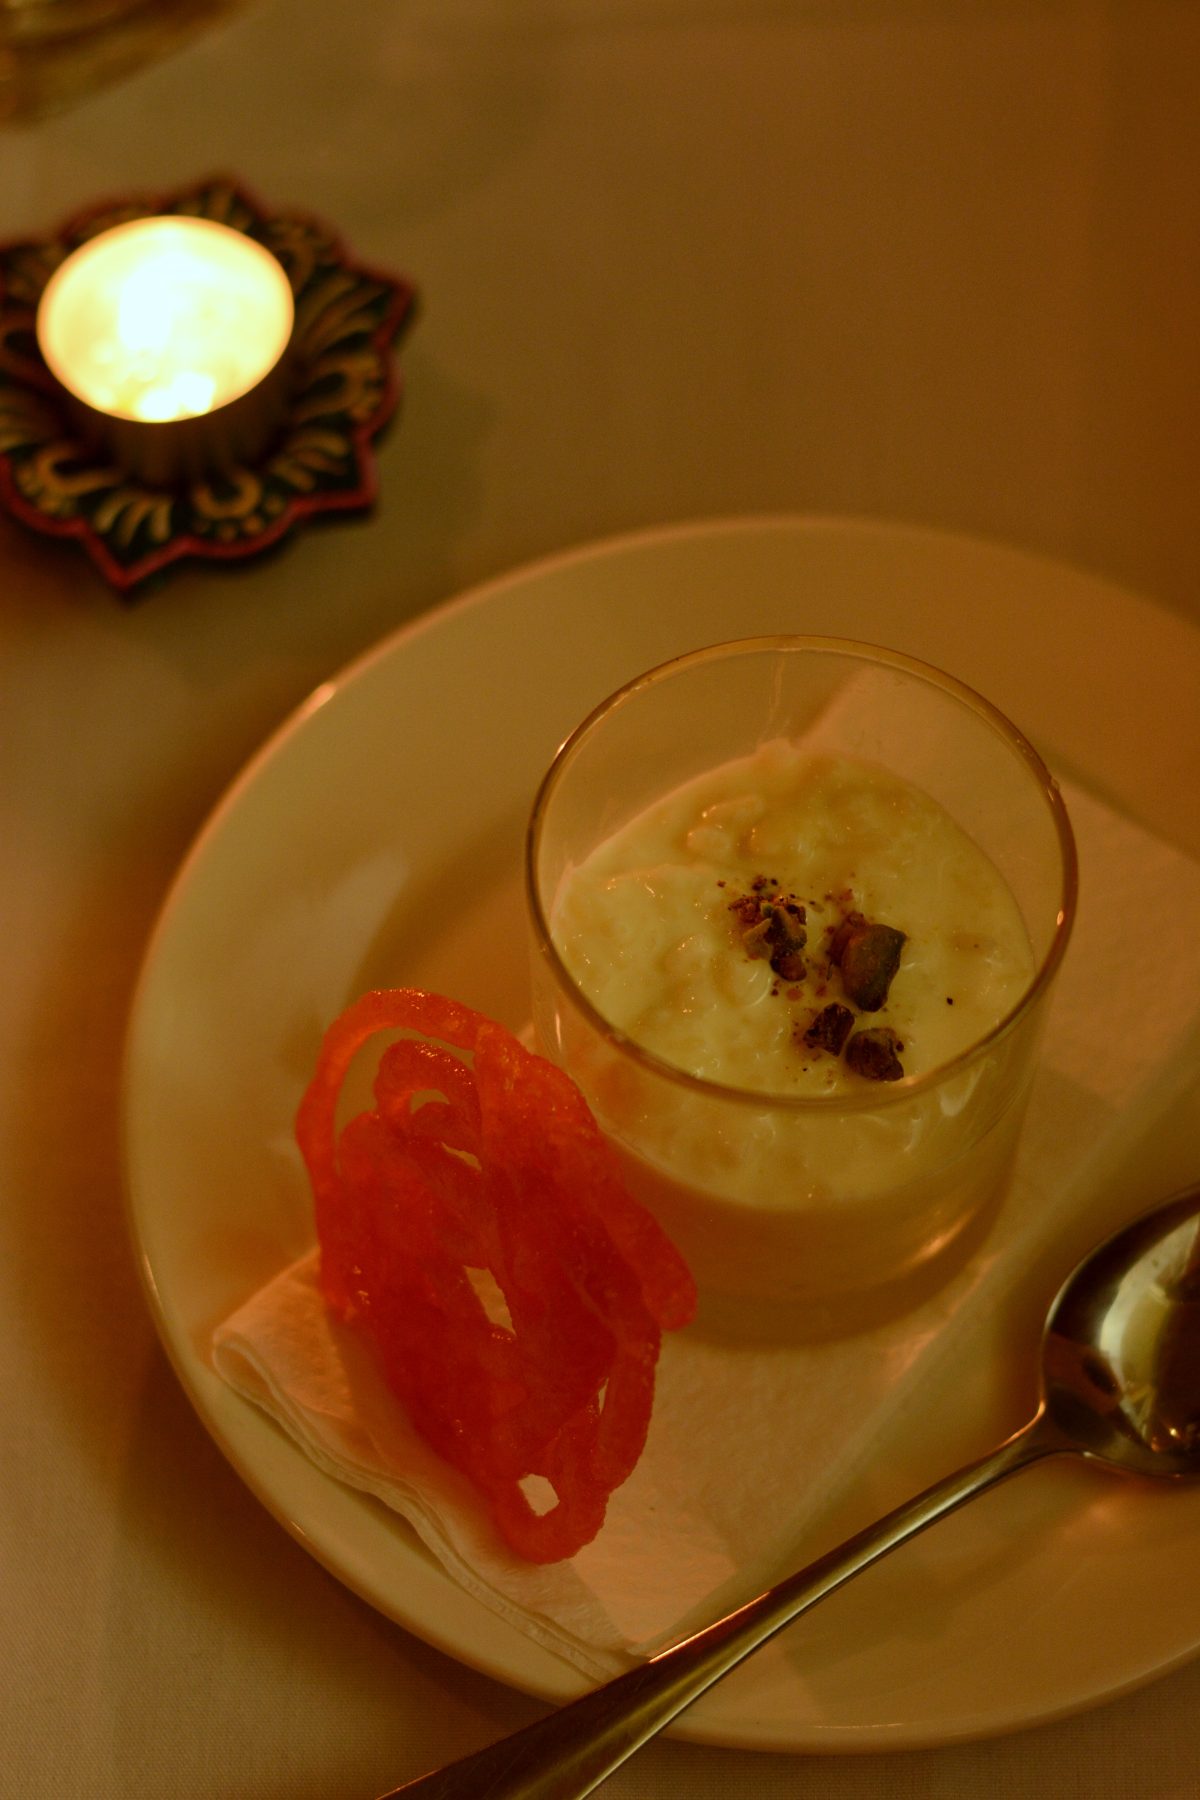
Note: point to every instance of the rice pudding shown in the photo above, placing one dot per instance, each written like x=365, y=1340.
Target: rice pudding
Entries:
x=800, y=974
x=663, y=925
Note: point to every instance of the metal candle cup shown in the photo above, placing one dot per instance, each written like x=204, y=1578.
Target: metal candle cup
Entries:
x=169, y=336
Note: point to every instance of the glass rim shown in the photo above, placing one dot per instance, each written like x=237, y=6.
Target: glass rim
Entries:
x=896, y=1092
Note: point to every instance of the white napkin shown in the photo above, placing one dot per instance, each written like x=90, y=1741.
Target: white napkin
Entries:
x=758, y=1456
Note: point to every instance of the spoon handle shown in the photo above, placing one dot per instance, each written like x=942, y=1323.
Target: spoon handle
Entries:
x=571, y=1751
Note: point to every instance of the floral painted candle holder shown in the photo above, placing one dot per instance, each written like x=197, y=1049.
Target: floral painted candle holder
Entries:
x=342, y=388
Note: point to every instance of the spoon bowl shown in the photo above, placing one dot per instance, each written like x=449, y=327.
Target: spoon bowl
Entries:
x=1121, y=1351
x=1120, y=1385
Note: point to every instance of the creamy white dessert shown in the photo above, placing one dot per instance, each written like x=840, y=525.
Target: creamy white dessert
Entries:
x=655, y=926
x=719, y=930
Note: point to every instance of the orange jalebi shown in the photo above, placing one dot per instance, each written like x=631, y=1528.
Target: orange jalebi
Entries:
x=480, y=1172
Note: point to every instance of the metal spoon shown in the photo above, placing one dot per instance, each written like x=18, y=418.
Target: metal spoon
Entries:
x=1120, y=1386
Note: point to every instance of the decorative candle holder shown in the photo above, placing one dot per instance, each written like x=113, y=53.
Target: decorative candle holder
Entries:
x=291, y=439
x=171, y=339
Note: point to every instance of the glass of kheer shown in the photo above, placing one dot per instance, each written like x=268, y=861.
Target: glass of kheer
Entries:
x=797, y=906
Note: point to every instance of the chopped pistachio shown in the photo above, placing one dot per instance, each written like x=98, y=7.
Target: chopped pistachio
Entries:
x=869, y=956
x=829, y=1029
x=757, y=940
x=773, y=928
x=788, y=936
x=874, y=1053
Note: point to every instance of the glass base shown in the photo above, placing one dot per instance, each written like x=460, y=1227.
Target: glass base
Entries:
x=55, y=53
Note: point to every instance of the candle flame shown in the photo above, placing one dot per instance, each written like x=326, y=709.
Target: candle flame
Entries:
x=165, y=318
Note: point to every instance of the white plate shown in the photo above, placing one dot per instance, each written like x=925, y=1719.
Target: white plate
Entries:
x=377, y=838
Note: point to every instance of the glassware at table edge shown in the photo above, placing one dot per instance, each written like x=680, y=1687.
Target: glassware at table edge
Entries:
x=840, y=1257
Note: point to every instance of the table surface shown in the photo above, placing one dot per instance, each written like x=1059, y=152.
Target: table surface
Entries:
x=677, y=260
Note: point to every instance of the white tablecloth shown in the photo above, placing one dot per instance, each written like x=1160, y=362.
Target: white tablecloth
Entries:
x=921, y=262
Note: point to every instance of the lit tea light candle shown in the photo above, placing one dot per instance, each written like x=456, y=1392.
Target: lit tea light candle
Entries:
x=170, y=335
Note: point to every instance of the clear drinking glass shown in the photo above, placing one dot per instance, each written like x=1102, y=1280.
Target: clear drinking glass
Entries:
x=790, y=1202
x=55, y=53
